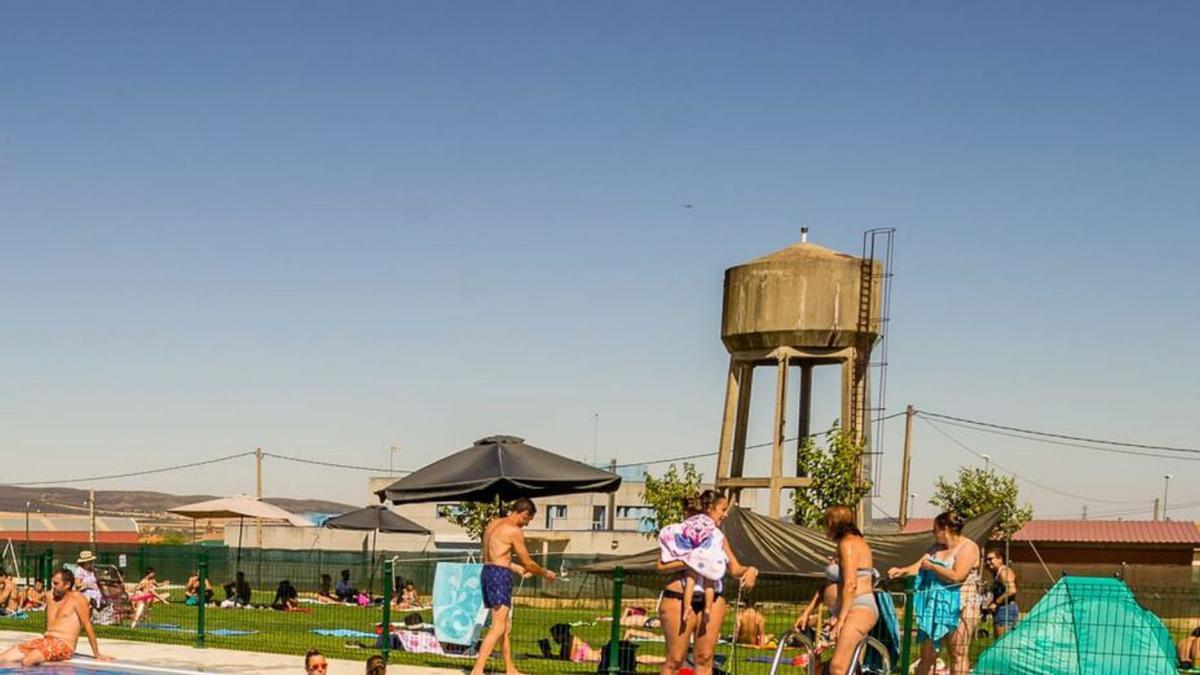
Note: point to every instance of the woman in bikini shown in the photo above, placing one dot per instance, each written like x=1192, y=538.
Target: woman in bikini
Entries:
x=146, y=594
x=850, y=597
x=950, y=567
x=678, y=629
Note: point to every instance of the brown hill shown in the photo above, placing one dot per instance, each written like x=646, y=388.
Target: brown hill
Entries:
x=133, y=502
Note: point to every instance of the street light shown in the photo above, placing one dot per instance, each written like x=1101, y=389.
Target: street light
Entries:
x=1166, y=484
x=392, y=460
x=912, y=497
x=27, y=505
x=987, y=462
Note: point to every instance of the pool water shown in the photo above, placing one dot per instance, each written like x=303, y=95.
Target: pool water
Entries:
x=77, y=667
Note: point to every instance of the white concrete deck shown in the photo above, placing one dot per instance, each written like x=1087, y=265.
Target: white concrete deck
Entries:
x=218, y=660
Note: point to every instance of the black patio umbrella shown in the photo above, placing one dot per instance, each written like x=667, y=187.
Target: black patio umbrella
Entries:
x=499, y=467
x=375, y=519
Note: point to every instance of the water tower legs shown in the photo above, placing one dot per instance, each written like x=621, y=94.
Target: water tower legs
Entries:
x=731, y=450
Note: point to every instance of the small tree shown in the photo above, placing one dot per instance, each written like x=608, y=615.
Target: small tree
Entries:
x=474, y=516
x=977, y=492
x=666, y=495
x=834, y=467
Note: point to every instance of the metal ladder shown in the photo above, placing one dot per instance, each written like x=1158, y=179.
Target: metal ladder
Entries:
x=811, y=668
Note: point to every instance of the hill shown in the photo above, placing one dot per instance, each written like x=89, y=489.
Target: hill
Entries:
x=133, y=502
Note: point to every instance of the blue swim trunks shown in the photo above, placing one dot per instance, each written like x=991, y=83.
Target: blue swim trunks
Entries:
x=1007, y=614
x=496, y=583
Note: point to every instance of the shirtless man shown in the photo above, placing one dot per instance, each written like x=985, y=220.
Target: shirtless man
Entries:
x=9, y=595
x=501, y=540
x=67, y=611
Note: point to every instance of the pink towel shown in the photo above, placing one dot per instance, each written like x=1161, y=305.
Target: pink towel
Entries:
x=698, y=544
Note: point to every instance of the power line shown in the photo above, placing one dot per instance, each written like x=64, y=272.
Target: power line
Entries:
x=1083, y=439
x=1116, y=451
x=334, y=465
x=133, y=474
x=964, y=446
x=714, y=453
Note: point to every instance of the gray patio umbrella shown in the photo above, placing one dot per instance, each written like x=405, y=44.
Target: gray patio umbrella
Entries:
x=375, y=519
x=499, y=467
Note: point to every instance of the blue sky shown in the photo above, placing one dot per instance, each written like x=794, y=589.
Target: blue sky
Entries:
x=327, y=230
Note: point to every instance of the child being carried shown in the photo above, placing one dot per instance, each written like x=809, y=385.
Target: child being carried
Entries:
x=697, y=543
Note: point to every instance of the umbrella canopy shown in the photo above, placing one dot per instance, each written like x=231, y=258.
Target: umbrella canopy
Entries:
x=781, y=548
x=502, y=467
x=240, y=506
x=375, y=519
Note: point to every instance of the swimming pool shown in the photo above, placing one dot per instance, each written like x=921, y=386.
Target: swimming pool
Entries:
x=80, y=667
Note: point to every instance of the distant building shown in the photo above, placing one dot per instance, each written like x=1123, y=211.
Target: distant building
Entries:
x=1099, y=542
x=68, y=529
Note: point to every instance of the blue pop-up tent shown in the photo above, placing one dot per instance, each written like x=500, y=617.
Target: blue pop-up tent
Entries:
x=1083, y=626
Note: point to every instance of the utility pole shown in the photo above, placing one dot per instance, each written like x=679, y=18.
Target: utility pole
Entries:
x=1166, y=484
x=1085, y=512
x=258, y=457
x=596, y=438
x=612, y=500
x=27, y=505
x=1156, y=508
x=909, y=413
x=91, y=518
x=392, y=460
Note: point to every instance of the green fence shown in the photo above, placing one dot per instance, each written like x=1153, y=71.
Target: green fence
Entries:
x=584, y=603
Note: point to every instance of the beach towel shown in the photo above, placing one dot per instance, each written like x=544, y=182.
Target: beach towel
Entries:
x=419, y=642
x=342, y=633
x=458, y=612
x=937, y=606
x=697, y=543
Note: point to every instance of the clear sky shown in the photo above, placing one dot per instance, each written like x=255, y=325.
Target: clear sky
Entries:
x=326, y=229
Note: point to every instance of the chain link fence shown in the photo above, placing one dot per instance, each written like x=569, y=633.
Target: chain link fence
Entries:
x=291, y=601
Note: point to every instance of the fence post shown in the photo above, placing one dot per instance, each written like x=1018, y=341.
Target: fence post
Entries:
x=385, y=630
x=910, y=585
x=614, y=640
x=202, y=570
x=48, y=565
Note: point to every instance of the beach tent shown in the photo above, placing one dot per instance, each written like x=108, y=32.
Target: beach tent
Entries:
x=499, y=467
x=782, y=548
x=1083, y=625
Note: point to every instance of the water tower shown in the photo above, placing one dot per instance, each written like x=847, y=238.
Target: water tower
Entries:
x=799, y=308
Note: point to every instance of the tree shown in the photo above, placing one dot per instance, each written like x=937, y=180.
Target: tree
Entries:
x=666, y=495
x=834, y=467
x=474, y=516
x=979, y=491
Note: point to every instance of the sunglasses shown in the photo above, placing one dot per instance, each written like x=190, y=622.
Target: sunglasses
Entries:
x=319, y=666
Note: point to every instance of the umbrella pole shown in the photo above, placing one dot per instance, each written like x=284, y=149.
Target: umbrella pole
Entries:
x=371, y=580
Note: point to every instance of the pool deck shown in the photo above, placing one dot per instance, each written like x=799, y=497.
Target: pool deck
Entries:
x=219, y=660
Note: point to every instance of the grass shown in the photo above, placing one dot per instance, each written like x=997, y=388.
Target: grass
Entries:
x=290, y=633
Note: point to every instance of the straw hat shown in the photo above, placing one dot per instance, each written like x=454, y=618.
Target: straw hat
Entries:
x=85, y=557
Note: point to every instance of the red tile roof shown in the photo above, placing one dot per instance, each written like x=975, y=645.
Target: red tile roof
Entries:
x=1096, y=531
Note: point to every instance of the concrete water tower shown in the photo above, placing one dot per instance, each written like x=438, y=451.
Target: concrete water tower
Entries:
x=799, y=308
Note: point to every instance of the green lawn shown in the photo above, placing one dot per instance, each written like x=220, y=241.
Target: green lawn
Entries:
x=290, y=633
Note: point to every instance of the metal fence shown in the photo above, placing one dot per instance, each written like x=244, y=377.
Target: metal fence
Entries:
x=590, y=610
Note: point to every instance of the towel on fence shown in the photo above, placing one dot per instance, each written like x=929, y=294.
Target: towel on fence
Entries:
x=938, y=606
x=342, y=633
x=458, y=611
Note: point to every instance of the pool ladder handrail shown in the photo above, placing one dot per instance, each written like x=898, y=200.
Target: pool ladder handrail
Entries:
x=811, y=668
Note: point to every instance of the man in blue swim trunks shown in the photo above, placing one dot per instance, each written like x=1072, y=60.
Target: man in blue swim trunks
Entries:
x=501, y=540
